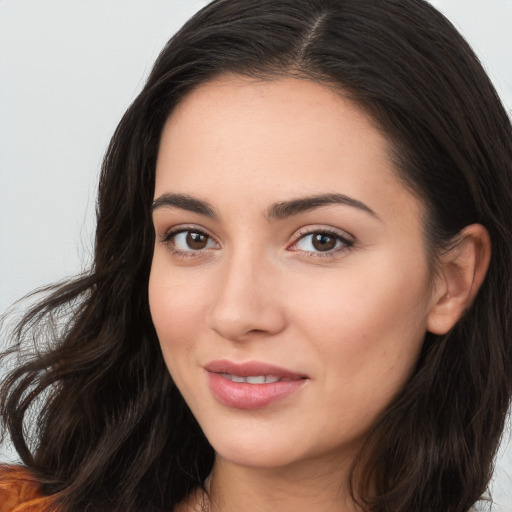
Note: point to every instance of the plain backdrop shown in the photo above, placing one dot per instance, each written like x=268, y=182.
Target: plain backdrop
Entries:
x=68, y=71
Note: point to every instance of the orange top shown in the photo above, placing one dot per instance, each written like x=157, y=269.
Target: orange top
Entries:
x=20, y=492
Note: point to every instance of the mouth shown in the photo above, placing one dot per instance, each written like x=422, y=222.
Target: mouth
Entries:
x=251, y=385
x=252, y=370
x=254, y=379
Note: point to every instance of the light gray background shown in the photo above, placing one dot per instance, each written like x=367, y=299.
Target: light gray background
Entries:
x=68, y=71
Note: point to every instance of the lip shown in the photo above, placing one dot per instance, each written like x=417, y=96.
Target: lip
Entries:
x=243, y=395
x=251, y=368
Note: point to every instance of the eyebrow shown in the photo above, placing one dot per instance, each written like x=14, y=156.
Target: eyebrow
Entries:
x=184, y=202
x=276, y=211
x=304, y=204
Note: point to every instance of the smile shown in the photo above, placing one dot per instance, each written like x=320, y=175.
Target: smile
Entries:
x=254, y=379
x=251, y=385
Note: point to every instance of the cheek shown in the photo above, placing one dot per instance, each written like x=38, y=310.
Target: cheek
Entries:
x=368, y=323
x=176, y=301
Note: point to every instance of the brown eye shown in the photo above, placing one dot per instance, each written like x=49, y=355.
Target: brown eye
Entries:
x=188, y=241
x=196, y=241
x=323, y=242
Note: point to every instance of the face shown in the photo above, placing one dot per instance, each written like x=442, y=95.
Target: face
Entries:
x=289, y=286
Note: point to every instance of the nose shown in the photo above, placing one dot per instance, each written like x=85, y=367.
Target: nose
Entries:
x=247, y=302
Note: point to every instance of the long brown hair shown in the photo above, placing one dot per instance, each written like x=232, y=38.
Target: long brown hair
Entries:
x=111, y=430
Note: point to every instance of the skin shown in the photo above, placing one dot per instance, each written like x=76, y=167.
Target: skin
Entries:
x=352, y=319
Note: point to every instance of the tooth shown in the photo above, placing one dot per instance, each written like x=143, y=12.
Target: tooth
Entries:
x=257, y=379
x=253, y=379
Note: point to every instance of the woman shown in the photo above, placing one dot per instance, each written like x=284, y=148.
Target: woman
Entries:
x=306, y=213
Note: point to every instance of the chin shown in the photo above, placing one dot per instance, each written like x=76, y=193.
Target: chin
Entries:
x=255, y=457
x=277, y=447
x=253, y=447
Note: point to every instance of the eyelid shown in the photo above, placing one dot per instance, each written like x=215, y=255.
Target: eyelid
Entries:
x=319, y=228
x=166, y=239
x=180, y=228
x=346, y=238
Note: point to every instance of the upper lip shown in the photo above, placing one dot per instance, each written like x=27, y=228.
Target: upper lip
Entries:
x=251, y=368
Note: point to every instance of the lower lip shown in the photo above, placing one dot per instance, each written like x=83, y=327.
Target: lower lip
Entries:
x=241, y=395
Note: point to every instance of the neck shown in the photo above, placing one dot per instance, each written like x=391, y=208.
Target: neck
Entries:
x=302, y=487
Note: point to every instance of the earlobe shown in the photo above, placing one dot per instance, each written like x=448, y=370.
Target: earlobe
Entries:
x=462, y=272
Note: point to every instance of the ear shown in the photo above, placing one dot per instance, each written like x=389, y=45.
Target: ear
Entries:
x=461, y=273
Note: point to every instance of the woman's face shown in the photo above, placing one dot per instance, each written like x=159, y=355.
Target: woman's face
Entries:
x=289, y=286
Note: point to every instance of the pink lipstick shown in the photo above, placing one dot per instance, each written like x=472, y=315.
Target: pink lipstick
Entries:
x=251, y=385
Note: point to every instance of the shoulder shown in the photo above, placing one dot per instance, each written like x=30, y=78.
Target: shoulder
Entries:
x=20, y=491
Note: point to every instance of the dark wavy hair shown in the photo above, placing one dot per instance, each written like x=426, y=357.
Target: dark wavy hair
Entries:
x=109, y=429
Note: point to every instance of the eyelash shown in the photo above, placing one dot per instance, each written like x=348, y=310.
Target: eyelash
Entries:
x=345, y=243
x=168, y=237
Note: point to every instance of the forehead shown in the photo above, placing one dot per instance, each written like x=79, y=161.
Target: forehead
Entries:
x=269, y=140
